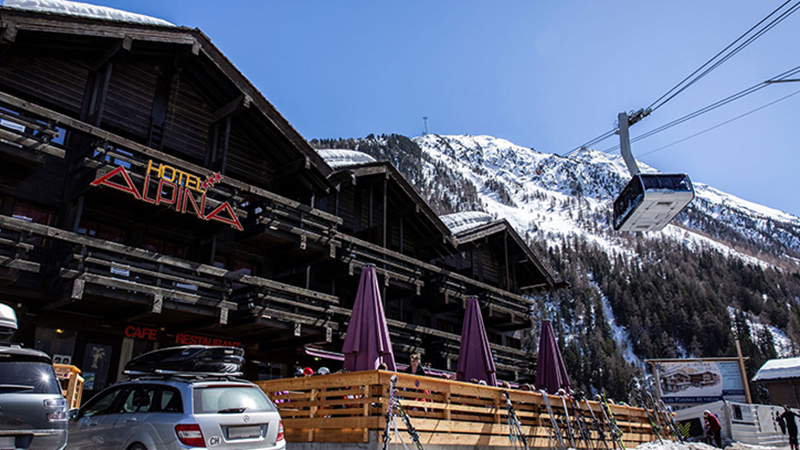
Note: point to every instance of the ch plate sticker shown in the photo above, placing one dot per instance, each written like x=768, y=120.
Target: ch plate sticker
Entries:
x=214, y=441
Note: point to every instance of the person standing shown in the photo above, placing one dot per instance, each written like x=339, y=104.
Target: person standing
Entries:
x=713, y=427
x=789, y=425
x=415, y=365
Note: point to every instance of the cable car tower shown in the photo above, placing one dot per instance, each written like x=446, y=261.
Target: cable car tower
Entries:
x=649, y=201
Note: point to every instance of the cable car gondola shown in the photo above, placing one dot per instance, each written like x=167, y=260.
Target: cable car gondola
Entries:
x=650, y=201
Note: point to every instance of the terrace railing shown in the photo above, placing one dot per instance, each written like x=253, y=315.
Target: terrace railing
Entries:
x=351, y=407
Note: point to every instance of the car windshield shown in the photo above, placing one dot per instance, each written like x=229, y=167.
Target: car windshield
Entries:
x=28, y=377
x=226, y=399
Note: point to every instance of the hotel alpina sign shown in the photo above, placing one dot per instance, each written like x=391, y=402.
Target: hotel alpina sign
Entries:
x=166, y=185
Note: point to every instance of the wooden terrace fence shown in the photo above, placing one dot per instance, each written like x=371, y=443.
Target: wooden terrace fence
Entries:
x=344, y=408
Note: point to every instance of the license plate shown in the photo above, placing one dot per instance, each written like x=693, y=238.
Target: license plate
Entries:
x=251, y=431
x=7, y=442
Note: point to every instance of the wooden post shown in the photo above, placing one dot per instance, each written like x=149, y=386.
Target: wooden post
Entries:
x=743, y=372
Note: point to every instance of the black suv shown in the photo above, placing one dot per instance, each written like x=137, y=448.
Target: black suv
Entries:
x=33, y=412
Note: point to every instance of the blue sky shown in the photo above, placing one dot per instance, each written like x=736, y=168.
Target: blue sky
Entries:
x=543, y=74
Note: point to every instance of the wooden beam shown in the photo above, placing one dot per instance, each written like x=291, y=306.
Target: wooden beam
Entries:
x=117, y=140
x=292, y=168
x=124, y=44
x=30, y=143
x=236, y=106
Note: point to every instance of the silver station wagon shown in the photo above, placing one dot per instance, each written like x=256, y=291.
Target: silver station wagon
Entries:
x=178, y=410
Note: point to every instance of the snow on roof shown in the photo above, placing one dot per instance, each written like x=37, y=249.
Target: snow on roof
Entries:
x=341, y=158
x=84, y=10
x=463, y=221
x=779, y=369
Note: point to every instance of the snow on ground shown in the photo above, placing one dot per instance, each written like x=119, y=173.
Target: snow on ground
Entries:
x=667, y=445
x=620, y=334
x=697, y=242
x=716, y=196
x=783, y=345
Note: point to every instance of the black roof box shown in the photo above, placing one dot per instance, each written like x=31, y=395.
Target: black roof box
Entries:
x=188, y=360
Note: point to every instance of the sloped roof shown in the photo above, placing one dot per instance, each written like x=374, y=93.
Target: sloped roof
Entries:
x=474, y=228
x=363, y=168
x=221, y=81
x=779, y=369
x=84, y=10
x=337, y=158
x=463, y=221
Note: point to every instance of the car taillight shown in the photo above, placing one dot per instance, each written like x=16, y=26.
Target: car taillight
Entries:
x=280, y=431
x=190, y=435
x=55, y=403
x=60, y=415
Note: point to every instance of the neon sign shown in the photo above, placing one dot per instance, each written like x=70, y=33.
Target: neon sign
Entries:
x=174, y=187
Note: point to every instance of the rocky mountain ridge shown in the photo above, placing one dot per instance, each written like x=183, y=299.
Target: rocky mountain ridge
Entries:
x=724, y=269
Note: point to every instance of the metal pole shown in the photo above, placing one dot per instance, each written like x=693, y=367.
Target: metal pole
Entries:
x=743, y=372
x=625, y=144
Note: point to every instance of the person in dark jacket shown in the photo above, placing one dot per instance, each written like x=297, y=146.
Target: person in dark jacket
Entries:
x=415, y=365
x=788, y=424
x=713, y=428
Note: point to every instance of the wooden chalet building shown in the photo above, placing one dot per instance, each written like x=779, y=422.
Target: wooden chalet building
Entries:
x=151, y=196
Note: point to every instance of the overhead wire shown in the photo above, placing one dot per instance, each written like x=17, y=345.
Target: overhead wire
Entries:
x=752, y=89
x=723, y=123
x=688, y=81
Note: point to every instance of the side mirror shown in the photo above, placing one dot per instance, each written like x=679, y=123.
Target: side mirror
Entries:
x=72, y=414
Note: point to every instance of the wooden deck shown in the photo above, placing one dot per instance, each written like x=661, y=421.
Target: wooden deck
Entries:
x=349, y=407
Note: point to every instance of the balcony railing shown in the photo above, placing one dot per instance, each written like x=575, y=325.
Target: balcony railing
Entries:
x=351, y=407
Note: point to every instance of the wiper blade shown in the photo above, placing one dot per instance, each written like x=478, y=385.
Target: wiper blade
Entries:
x=231, y=410
x=19, y=387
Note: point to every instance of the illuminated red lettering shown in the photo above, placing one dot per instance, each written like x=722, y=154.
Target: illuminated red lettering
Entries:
x=189, y=198
x=141, y=332
x=160, y=199
x=145, y=188
x=127, y=187
x=225, y=207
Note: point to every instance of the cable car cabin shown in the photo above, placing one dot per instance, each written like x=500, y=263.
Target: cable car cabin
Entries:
x=650, y=201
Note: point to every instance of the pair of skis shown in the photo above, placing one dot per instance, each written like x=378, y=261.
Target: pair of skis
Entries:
x=611, y=422
x=394, y=409
x=515, y=433
x=662, y=415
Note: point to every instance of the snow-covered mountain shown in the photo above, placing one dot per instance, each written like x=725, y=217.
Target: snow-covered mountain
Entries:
x=554, y=196
x=724, y=269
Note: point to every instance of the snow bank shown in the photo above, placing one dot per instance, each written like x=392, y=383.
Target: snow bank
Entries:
x=84, y=10
x=667, y=445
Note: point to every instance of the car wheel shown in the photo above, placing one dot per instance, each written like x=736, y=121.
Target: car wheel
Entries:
x=137, y=446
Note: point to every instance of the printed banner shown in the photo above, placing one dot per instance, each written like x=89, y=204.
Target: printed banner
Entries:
x=700, y=382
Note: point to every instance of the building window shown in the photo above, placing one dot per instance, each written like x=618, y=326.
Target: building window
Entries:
x=34, y=214
x=31, y=213
x=101, y=231
x=165, y=248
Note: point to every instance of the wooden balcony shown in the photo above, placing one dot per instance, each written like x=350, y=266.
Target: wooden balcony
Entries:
x=166, y=289
x=14, y=255
x=351, y=408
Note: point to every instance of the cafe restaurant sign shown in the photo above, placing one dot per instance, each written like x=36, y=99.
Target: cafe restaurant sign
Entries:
x=166, y=185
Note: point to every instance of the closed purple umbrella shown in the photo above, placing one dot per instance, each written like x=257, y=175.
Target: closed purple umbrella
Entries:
x=475, y=356
x=367, y=343
x=550, y=371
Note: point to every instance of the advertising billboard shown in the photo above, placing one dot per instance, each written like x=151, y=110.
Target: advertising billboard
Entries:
x=693, y=381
